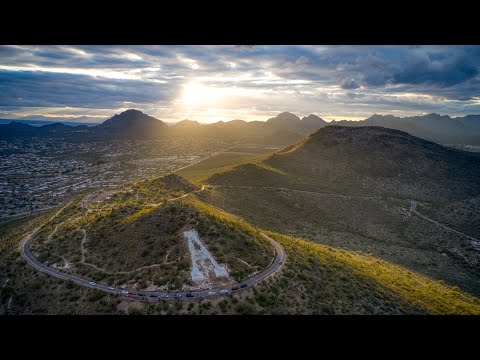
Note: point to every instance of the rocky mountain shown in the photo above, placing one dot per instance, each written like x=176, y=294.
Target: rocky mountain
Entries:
x=284, y=120
x=131, y=123
x=313, y=122
x=289, y=122
x=128, y=124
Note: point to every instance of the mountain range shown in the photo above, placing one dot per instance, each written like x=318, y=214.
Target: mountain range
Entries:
x=283, y=129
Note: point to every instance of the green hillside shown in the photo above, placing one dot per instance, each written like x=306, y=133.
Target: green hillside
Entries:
x=317, y=279
x=349, y=268
x=351, y=188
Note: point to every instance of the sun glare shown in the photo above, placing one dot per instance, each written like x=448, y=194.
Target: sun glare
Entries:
x=197, y=94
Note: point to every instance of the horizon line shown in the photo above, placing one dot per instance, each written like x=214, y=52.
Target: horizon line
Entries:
x=173, y=122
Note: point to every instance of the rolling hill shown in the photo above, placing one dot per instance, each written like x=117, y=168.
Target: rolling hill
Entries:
x=372, y=160
x=338, y=202
x=351, y=188
x=442, y=129
x=316, y=279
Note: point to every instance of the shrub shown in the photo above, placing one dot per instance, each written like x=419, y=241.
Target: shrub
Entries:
x=224, y=306
x=245, y=309
x=135, y=311
x=96, y=295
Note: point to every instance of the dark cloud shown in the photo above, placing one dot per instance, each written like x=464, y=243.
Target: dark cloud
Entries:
x=349, y=84
x=41, y=89
x=375, y=73
x=437, y=69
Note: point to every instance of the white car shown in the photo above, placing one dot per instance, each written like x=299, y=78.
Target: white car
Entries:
x=211, y=293
x=93, y=283
x=111, y=288
x=224, y=291
x=124, y=292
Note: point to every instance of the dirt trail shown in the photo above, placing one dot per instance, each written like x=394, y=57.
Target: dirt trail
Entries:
x=49, y=238
x=299, y=191
x=475, y=242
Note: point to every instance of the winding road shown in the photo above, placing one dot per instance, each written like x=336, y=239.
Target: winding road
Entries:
x=274, y=267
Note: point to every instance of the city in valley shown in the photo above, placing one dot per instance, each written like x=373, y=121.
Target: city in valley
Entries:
x=41, y=173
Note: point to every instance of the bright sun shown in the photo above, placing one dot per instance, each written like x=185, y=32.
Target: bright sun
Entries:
x=197, y=94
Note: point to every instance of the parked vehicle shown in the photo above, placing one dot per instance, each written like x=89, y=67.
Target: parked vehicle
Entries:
x=189, y=295
x=243, y=286
x=93, y=283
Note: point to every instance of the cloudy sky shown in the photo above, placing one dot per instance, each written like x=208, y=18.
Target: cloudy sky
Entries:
x=212, y=83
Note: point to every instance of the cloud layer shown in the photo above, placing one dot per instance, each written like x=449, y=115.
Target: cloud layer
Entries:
x=247, y=82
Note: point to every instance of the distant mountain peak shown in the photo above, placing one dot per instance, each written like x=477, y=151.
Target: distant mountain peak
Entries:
x=285, y=116
x=131, y=111
x=313, y=119
x=187, y=122
x=287, y=121
x=132, y=123
x=311, y=116
x=131, y=118
x=436, y=116
x=56, y=124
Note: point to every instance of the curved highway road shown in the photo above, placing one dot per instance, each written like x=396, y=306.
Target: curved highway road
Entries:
x=274, y=267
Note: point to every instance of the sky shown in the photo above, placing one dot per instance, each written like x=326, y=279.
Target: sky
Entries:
x=221, y=83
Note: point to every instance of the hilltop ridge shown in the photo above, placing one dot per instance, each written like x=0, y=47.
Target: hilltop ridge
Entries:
x=369, y=159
